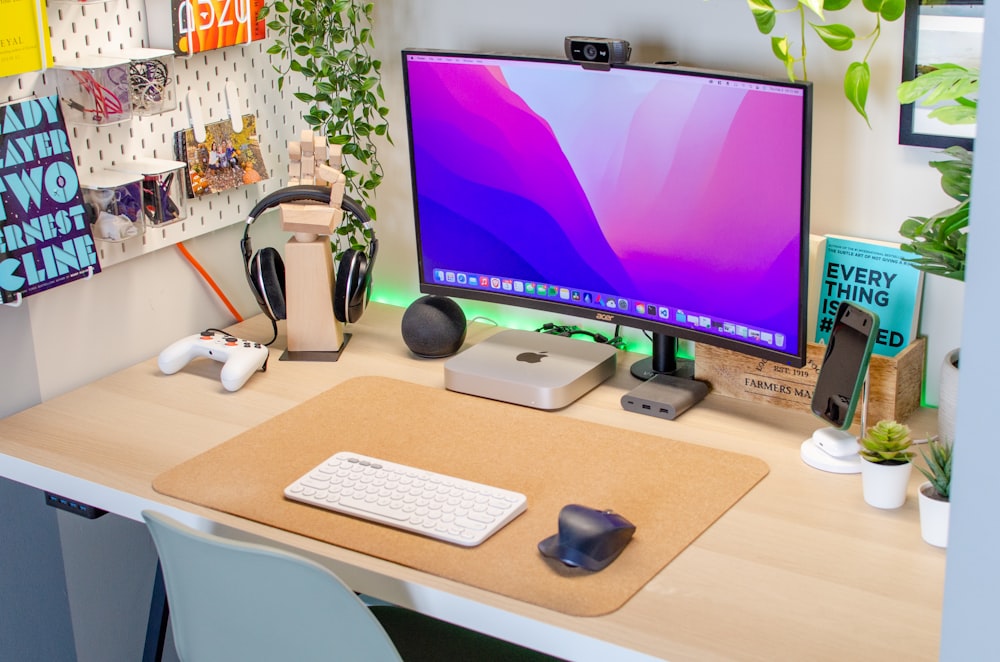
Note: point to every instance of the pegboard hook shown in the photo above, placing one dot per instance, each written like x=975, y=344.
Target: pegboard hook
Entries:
x=197, y=117
x=234, y=106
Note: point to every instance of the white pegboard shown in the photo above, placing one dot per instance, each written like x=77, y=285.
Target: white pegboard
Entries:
x=92, y=28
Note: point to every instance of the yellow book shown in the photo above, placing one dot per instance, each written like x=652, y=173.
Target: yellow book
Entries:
x=24, y=37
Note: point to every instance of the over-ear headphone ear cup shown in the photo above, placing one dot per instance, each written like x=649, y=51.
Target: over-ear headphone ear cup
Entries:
x=267, y=274
x=353, y=287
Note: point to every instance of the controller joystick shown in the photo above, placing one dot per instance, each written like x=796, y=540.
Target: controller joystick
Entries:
x=241, y=358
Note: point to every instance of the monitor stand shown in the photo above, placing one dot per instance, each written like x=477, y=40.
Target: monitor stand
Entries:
x=528, y=368
x=668, y=386
x=664, y=361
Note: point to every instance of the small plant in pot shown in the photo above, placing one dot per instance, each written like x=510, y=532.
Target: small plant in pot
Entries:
x=887, y=463
x=934, y=495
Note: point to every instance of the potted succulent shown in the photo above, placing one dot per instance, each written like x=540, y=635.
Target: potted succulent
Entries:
x=938, y=243
x=886, y=464
x=934, y=495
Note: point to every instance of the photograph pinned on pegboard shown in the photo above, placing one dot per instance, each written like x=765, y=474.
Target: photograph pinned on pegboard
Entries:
x=225, y=160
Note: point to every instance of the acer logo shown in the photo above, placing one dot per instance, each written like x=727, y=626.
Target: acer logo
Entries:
x=604, y=317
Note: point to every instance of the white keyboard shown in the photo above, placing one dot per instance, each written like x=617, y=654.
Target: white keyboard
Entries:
x=435, y=505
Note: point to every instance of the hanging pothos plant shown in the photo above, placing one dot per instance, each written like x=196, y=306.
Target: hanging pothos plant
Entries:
x=838, y=36
x=328, y=44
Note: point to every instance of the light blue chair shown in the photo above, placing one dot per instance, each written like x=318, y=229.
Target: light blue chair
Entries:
x=231, y=600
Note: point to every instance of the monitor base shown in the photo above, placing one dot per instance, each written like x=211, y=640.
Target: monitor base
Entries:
x=643, y=369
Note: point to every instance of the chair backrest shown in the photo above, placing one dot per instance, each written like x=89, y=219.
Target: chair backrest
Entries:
x=232, y=600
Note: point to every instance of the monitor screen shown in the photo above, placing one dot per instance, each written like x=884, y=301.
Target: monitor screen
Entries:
x=663, y=198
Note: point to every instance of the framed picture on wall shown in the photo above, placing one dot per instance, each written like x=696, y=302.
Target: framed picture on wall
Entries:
x=937, y=32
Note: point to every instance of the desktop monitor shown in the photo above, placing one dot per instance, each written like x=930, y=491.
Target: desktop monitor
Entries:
x=669, y=199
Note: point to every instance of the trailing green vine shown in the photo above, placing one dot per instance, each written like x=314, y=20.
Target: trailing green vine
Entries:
x=328, y=43
x=837, y=36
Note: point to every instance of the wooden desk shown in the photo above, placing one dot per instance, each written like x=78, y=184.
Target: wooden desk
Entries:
x=799, y=569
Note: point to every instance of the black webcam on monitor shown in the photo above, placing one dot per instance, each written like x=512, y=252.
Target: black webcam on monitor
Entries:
x=597, y=52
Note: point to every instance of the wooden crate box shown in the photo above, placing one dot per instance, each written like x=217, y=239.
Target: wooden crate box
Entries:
x=894, y=382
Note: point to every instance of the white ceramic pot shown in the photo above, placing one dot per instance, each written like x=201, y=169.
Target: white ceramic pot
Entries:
x=948, y=396
x=885, y=485
x=934, y=514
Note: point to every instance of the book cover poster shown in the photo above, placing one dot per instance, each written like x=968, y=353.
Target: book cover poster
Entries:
x=45, y=237
x=24, y=37
x=225, y=160
x=876, y=276
x=204, y=25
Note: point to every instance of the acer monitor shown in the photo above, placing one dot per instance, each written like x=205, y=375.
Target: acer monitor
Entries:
x=669, y=199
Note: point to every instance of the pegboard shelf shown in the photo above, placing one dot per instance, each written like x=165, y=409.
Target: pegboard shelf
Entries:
x=110, y=29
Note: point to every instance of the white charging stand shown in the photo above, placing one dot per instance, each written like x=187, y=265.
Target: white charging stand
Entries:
x=834, y=450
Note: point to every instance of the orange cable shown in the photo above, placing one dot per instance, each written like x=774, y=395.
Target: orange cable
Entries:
x=208, y=279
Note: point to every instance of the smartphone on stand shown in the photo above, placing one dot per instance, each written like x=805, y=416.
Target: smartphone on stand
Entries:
x=839, y=388
x=845, y=365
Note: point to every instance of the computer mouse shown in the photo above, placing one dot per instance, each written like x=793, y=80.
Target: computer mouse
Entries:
x=588, y=538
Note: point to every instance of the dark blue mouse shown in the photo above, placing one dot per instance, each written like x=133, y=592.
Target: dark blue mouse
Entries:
x=588, y=538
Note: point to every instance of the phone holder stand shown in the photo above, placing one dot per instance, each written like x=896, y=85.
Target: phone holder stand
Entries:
x=833, y=450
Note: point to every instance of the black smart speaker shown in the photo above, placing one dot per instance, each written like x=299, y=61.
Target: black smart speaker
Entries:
x=434, y=327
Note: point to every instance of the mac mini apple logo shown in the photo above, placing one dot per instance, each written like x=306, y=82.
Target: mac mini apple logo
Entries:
x=531, y=357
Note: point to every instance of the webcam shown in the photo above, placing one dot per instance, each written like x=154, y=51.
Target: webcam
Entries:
x=597, y=52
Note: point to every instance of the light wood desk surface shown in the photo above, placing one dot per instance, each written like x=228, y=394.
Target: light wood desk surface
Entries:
x=800, y=569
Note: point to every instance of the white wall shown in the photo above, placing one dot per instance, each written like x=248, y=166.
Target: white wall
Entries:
x=864, y=184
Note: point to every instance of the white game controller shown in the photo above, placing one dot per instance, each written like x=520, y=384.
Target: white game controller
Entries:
x=242, y=358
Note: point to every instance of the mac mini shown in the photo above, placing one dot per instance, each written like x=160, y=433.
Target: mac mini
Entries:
x=533, y=369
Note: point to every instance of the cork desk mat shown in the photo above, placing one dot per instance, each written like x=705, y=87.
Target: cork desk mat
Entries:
x=671, y=491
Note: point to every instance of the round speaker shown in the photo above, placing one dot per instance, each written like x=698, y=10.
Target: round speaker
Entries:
x=433, y=327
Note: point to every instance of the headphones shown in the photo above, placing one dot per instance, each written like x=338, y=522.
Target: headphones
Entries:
x=266, y=272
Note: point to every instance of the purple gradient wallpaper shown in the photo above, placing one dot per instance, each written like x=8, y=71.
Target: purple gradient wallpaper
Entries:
x=671, y=191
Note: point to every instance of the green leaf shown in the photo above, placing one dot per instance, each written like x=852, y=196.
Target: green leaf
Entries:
x=836, y=36
x=815, y=6
x=764, y=15
x=856, y=82
x=835, y=5
x=779, y=46
x=945, y=83
x=955, y=115
x=889, y=10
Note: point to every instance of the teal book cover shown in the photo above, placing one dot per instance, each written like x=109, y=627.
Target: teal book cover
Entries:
x=874, y=275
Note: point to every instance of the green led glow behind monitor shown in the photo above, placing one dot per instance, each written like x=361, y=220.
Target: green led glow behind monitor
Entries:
x=667, y=199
